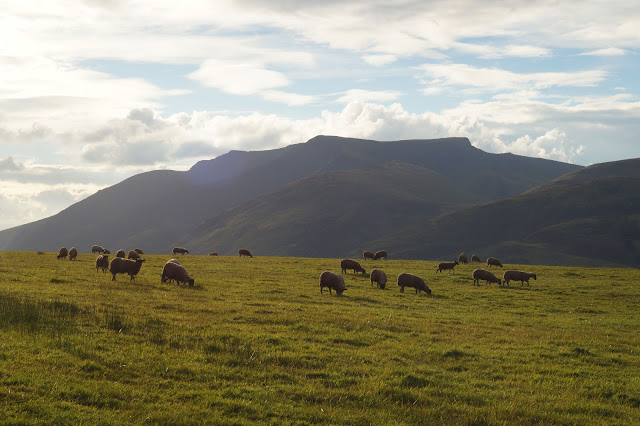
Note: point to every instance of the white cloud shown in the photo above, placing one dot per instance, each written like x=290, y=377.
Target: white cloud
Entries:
x=238, y=78
x=610, y=51
x=379, y=60
x=369, y=96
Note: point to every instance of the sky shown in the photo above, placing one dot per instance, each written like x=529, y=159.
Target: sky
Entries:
x=95, y=91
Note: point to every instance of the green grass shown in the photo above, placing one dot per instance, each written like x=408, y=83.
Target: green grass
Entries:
x=254, y=341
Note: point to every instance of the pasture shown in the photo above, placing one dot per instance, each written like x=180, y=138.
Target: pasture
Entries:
x=254, y=341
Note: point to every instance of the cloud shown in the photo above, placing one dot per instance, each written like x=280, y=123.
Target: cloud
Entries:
x=238, y=78
x=8, y=165
x=379, y=60
x=610, y=51
x=369, y=96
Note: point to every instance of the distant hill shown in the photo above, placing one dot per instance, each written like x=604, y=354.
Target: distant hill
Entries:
x=161, y=209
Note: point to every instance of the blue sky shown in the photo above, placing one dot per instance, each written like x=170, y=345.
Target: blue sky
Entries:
x=92, y=92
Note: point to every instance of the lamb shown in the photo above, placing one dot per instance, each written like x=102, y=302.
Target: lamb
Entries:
x=378, y=276
x=351, y=264
x=133, y=255
x=367, y=255
x=518, y=276
x=102, y=261
x=120, y=265
x=331, y=280
x=180, y=250
x=139, y=251
x=492, y=261
x=462, y=258
x=380, y=254
x=481, y=274
x=244, y=252
x=409, y=280
x=73, y=253
x=62, y=253
x=475, y=258
x=175, y=271
x=448, y=266
x=97, y=249
x=120, y=253
x=213, y=253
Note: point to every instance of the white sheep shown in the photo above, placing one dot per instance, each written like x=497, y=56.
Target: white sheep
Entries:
x=409, y=280
x=175, y=271
x=120, y=265
x=331, y=280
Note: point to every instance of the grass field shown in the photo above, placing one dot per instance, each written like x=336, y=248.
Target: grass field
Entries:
x=254, y=341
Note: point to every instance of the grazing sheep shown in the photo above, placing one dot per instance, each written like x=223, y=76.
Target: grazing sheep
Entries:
x=492, y=261
x=120, y=265
x=120, y=253
x=409, y=280
x=175, y=271
x=481, y=274
x=73, y=253
x=448, y=266
x=518, y=276
x=106, y=251
x=62, y=253
x=367, y=255
x=378, y=276
x=244, y=252
x=97, y=249
x=173, y=261
x=351, y=264
x=133, y=255
x=475, y=258
x=213, y=253
x=462, y=258
x=102, y=261
x=180, y=250
x=380, y=254
x=139, y=251
x=331, y=280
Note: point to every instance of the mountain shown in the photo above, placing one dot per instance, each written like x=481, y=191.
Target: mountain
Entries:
x=160, y=209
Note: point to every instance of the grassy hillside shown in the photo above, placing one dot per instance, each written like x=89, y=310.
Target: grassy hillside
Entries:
x=255, y=341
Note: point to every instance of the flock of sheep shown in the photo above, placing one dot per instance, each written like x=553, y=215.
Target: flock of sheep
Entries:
x=334, y=281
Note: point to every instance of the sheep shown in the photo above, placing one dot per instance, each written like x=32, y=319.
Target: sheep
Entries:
x=120, y=265
x=481, y=274
x=106, y=251
x=367, y=255
x=102, y=261
x=518, y=276
x=139, y=251
x=492, y=261
x=120, y=253
x=462, y=258
x=351, y=264
x=213, y=253
x=380, y=254
x=448, y=266
x=173, y=261
x=62, y=253
x=409, y=280
x=244, y=252
x=97, y=249
x=175, y=271
x=133, y=255
x=475, y=258
x=378, y=276
x=180, y=250
x=73, y=253
x=331, y=280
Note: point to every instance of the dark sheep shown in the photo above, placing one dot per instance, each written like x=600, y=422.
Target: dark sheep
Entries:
x=133, y=255
x=448, y=266
x=180, y=250
x=213, y=253
x=244, y=252
x=331, y=280
x=106, y=251
x=121, y=253
x=380, y=254
x=367, y=255
x=139, y=251
x=483, y=275
x=492, y=261
x=73, y=253
x=462, y=258
x=378, y=276
x=62, y=253
x=518, y=276
x=176, y=272
x=475, y=258
x=102, y=261
x=409, y=280
x=120, y=265
x=97, y=249
x=346, y=264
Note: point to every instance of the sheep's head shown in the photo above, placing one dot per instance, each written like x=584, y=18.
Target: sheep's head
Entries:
x=191, y=282
x=534, y=277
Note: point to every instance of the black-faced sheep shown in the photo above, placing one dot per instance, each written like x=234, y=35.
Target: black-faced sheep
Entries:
x=475, y=258
x=351, y=264
x=139, y=251
x=120, y=265
x=133, y=255
x=492, y=261
x=97, y=249
x=121, y=253
x=518, y=276
x=176, y=272
x=483, y=275
x=331, y=280
x=380, y=254
x=213, y=253
x=180, y=250
x=378, y=276
x=73, y=253
x=244, y=252
x=367, y=255
x=409, y=280
x=102, y=261
x=62, y=253
x=462, y=258
x=447, y=266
